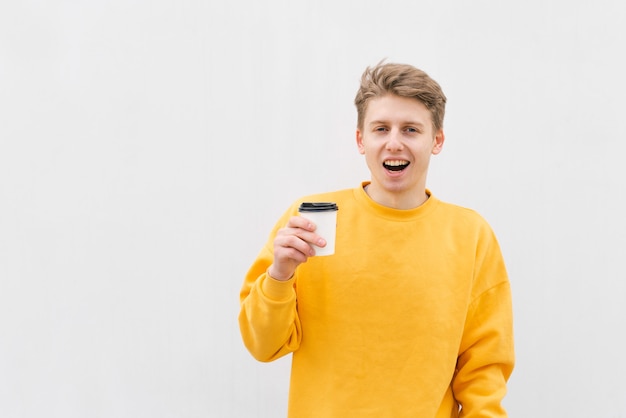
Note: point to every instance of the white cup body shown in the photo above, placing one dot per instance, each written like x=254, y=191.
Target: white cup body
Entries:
x=326, y=223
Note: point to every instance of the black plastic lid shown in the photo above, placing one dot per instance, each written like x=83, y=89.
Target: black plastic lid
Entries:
x=318, y=207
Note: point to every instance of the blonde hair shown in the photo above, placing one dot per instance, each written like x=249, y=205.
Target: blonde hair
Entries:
x=402, y=80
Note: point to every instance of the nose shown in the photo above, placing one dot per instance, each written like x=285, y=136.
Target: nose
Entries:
x=394, y=142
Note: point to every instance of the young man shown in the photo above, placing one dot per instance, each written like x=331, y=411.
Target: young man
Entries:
x=411, y=317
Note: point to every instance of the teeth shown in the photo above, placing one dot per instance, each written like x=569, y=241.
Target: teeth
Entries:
x=396, y=163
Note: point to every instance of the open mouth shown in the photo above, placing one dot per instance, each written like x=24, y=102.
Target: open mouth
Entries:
x=395, y=165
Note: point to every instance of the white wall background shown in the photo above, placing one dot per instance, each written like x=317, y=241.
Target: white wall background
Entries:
x=147, y=147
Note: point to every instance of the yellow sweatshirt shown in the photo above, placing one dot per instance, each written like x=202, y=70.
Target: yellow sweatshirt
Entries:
x=411, y=317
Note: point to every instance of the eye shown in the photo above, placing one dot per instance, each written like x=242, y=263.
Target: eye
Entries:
x=412, y=130
x=380, y=129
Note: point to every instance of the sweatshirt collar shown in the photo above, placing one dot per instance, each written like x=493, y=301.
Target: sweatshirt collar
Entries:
x=391, y=213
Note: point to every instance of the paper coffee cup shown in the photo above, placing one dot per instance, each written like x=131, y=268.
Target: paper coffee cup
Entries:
x=324, y=216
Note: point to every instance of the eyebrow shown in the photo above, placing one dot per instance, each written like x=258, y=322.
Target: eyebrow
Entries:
x=384, y=122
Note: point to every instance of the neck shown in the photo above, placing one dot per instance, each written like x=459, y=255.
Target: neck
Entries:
x=402, y=201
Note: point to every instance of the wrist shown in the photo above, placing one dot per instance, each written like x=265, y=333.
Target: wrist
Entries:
x=276, y=276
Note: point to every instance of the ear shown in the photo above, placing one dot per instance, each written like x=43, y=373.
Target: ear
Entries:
x=438, y=142
x=359, y=141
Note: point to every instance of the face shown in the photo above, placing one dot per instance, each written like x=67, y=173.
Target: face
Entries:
x=397, y=140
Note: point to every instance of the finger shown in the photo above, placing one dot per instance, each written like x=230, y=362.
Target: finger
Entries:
x=310, y=238
x=302, y=223
x=294, y=245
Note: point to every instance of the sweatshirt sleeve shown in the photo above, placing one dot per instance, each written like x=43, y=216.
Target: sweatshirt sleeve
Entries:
x=486, y=355
x=268, y=318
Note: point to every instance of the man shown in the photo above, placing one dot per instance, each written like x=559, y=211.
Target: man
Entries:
x=411, y=316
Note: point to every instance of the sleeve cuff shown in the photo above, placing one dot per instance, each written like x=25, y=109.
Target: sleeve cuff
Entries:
x=278, y=290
